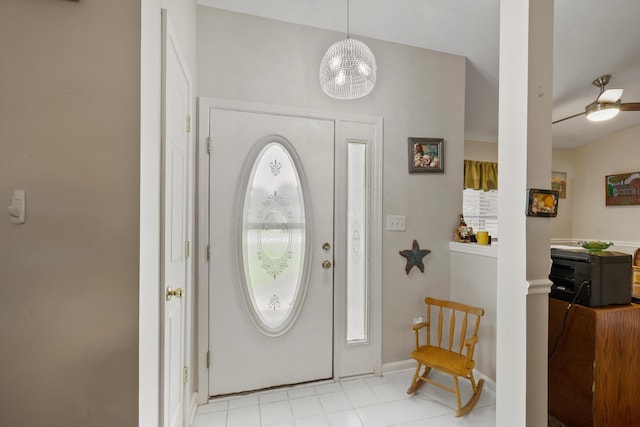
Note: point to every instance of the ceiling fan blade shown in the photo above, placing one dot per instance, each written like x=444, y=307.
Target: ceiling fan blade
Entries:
x=610, y=96
x=567, y=118
x=630, y=106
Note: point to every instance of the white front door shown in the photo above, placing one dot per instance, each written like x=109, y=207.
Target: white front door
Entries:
x=271, y=237
x=176, y=104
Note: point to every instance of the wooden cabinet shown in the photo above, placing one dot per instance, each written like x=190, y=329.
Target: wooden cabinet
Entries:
x=594, y=373
x=636, y=274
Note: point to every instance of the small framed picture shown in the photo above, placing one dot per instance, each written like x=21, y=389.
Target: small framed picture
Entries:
x=542, y=203
x=426, y=155
x=622, y=189
x=559, y=183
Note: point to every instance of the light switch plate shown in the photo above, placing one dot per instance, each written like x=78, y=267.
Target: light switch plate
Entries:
x=395, y=223
x=17, y=208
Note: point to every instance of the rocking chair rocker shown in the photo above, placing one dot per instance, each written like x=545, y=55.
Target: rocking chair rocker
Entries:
x=457, y=360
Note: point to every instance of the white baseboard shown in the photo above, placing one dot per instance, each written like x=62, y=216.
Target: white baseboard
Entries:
x=402, y=365
x=410, y=365
x=193, y=409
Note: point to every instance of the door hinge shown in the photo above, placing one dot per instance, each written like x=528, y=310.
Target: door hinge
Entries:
x=185, y=377
x=208, y=355
x=208, y=145
x=188, y=123
x=187, y=249
x=208, y=253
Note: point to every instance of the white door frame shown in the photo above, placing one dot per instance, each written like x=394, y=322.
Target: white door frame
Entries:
x=204, y=106
x=189, y=401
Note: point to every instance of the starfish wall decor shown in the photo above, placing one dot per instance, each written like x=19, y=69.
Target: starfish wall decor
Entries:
x=414, y=257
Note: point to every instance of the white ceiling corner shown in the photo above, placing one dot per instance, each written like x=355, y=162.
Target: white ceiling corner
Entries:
x=591, y=38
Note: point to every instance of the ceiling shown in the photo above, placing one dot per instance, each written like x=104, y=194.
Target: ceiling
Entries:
x=591, y=38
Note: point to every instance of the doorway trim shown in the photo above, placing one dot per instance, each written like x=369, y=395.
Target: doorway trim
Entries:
x=170, y=44
x=206, y=147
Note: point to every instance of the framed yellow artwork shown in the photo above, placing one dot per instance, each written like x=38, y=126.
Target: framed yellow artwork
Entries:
x=542, y=203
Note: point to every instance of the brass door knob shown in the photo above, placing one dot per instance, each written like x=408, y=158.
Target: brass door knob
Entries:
x=326, y=264
x=174, y=293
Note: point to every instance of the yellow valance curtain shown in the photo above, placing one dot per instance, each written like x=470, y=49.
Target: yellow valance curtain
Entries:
x=480, y=175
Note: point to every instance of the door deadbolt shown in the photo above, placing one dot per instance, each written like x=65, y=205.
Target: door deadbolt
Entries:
x=326, y=246
x=174, y=293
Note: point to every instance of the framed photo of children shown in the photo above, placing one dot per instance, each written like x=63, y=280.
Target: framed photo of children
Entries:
x=426, y=155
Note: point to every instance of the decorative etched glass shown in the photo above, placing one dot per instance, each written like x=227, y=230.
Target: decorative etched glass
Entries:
x=273, y=236
x=357, y=305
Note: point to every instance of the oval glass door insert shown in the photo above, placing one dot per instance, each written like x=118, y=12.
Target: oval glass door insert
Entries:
x=274, y=236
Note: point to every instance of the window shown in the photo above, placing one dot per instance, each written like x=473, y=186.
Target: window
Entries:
x=274, y=236
x=357, y=244
x=480, y=210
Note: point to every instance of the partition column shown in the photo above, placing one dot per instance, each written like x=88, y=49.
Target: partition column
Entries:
x=524, y=158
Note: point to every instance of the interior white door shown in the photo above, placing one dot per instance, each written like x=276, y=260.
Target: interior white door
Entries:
x=271, y=238
x=175, y=114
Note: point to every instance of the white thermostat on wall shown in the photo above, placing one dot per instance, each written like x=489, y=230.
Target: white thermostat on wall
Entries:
x=17, y=208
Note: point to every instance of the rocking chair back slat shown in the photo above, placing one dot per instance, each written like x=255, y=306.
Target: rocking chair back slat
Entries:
x=428, y=329
x=452, y=328
x=475, y=329
x=440, y=328
x=463, y=333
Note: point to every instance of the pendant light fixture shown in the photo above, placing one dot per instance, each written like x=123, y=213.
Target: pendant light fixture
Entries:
x=348, y=69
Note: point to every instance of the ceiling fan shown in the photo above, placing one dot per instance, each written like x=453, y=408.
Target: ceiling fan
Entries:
x=606, y=105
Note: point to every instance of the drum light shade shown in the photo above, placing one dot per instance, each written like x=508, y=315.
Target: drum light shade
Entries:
x=348, y=70
x=601, y=111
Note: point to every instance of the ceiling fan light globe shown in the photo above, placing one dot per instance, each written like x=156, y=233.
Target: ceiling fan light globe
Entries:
x=610, y=96
x=599, y=112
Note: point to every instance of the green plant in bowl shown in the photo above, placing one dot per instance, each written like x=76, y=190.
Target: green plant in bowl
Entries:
x=595, y=245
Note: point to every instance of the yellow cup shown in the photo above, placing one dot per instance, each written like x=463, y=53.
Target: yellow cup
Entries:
x=482, y=237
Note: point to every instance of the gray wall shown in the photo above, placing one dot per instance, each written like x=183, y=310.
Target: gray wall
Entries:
x=481, y=150
x=69, y=137
x=477, y=282
x=419, y=93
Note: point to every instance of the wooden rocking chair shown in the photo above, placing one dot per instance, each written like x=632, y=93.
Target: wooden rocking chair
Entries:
x=457, y=360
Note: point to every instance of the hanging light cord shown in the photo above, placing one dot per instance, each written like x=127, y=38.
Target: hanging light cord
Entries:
x=348, y=8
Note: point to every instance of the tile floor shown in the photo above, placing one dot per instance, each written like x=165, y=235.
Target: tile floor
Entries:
x=362, y=402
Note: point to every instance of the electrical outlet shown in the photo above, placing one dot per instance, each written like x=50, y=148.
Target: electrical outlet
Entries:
x=395, y=223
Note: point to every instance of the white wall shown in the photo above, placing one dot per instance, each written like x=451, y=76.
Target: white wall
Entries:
x=561, y=225
x=481, y=151
x=69, y=132
x=526, y=65
x=419, y=93
x=592, y=219
x=474, y=278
